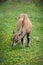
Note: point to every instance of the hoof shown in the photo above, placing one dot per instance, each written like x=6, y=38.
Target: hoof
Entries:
x=29, y=44
x=23, y=46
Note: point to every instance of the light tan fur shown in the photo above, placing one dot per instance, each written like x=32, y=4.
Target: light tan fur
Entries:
x=24, y=27
x=24, y=24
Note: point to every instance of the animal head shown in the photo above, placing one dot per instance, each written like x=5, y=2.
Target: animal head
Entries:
x=14, y=39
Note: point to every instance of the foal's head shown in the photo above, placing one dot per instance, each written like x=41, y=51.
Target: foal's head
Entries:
x=14, y=39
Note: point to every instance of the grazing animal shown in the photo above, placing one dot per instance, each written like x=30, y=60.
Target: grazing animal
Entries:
x=24, y=27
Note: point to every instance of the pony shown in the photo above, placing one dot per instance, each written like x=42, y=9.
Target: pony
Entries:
x=24, y=27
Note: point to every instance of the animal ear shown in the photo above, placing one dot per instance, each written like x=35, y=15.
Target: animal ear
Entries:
x=13, y=32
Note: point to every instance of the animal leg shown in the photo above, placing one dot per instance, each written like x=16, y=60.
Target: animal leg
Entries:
x=22, y=41
x=28, y=39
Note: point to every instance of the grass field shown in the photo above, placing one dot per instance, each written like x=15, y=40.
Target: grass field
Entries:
x=21, y=56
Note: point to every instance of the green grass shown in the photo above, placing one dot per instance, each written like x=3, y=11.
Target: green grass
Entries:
x=21, y=56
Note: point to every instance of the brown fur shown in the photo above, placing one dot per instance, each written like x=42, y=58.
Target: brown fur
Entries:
x=24, y=24
x=24, y=27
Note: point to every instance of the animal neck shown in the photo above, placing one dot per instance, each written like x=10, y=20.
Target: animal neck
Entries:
x=21, y=33
x=20, y=36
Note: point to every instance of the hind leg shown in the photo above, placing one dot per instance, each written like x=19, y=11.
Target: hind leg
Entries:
x=28, y=39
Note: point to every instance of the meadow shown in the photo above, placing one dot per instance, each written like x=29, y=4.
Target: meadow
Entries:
x=17, y=55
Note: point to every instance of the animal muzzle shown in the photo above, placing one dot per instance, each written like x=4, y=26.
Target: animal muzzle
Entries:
x=13, y=44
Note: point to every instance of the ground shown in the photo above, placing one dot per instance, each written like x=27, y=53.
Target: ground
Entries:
x=32, y=55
